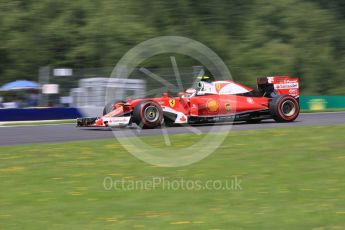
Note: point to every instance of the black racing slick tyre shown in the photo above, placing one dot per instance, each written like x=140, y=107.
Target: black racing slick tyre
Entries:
x=110, y=106
x=148, y=114
x=284, y=108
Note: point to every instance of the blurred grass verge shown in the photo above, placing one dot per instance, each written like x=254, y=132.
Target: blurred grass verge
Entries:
x=322, y=111
x=291, y=179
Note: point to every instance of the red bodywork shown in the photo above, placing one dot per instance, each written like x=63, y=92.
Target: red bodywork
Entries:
x=206, y=105
x=219, y=101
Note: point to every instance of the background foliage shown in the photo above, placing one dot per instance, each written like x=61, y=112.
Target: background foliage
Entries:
x=254, y=37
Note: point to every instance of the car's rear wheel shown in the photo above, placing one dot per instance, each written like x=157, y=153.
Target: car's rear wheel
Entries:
x=148, y=114
x=284, y=108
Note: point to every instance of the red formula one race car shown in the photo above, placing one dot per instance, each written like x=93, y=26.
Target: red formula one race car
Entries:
x=207, y=102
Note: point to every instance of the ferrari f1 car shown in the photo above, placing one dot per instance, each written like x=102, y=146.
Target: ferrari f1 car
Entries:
x=207, y=102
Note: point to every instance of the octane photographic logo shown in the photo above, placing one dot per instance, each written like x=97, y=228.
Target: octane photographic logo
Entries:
x=170, y=153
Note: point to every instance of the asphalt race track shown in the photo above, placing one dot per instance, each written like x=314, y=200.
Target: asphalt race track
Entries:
x=14, y=135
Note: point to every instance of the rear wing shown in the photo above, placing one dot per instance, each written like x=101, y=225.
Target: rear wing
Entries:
x=278, y=85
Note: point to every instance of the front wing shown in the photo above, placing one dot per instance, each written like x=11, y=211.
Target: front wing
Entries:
x=112, y=122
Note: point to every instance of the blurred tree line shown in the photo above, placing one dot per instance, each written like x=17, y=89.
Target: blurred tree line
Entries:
x=304, y=38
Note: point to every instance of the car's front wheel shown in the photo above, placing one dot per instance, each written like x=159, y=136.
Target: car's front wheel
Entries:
x=148, y=114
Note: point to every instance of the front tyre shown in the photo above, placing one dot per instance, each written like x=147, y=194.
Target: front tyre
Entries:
x=284, y=108
x=148, y=114
x=110, y=106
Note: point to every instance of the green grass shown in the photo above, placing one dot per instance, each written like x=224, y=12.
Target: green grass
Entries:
x=322, y=111
x=291, y=179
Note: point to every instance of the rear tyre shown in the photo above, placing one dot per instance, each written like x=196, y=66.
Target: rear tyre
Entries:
x=110, y=106
x=148, y=114
x=284, y=108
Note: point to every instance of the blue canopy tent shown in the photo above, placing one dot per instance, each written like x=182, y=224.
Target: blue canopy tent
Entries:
x=19, y=85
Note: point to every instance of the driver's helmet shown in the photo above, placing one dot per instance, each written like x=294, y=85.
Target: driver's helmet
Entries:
x=204, y=87
x=206, y=78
